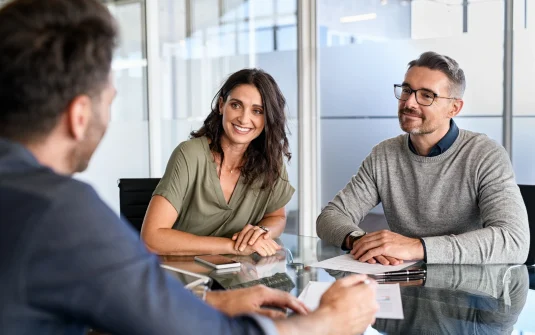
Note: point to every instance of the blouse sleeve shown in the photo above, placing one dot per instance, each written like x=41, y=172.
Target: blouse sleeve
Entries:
x=174, y=184
x=282, y=192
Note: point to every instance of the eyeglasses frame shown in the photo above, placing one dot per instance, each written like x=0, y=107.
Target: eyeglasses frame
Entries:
x=416, y=96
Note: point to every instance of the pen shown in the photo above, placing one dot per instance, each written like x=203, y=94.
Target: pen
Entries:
x=397, y=279
x=401, y=273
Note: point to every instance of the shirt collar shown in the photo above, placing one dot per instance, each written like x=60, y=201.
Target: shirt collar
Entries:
x=444, y=144
x=11, y=151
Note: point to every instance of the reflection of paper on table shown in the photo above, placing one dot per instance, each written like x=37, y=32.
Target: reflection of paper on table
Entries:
x=347, y=263
x=388, y=297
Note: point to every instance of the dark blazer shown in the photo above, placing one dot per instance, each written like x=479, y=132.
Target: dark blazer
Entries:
x=68, y=262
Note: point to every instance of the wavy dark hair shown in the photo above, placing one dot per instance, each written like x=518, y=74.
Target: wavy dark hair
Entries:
x=264, y=155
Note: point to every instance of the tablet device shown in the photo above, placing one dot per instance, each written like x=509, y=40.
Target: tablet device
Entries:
x=188, y=279
x=217, y=261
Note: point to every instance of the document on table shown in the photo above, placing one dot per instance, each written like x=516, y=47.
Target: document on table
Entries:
x=388, y=297
x=347, y=263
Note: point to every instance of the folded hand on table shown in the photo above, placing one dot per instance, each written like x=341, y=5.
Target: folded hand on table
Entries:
x=387, y=248
x=254, y=239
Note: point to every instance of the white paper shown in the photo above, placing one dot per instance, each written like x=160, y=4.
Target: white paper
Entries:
x=347, y=263
x=371, y=331
x=388, y=297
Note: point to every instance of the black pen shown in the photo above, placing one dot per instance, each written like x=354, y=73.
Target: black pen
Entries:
x=401, y=273
x=397, y=279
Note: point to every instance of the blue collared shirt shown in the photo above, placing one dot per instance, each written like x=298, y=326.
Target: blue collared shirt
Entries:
x=442, y=145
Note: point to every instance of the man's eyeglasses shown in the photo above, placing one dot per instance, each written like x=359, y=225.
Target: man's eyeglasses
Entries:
x=423, y=97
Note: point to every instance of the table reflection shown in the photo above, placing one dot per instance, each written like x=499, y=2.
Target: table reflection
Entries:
x=462, y=299
x=454, y=299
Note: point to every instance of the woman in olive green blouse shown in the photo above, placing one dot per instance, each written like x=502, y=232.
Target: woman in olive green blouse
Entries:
x=224, y=191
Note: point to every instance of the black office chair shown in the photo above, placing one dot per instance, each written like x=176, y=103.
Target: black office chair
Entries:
x=528, y=194
x=134, y=198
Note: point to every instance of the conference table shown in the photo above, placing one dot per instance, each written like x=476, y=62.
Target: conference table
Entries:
x=453, y=299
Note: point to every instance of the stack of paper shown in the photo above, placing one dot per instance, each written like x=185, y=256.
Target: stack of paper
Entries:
x=388, y=297
x=347, y=263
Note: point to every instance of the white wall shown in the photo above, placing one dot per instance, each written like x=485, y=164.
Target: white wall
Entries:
x=123, y=153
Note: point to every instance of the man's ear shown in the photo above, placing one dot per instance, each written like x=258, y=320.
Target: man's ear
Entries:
x=456, y=107
x=79, y=116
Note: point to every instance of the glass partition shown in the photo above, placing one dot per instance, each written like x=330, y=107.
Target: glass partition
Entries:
x=523, y=74
x=202, y=42
x=364, y=48
x=124, y=151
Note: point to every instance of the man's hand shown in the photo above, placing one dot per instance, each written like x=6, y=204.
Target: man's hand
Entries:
x=349, y=305
x=387, y=247
x=251, y=300
x=385, y=260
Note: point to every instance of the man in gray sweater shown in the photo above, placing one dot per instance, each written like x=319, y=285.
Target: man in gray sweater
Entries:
x=449, y=194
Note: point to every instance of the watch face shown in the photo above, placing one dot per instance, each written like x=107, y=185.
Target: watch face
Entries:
x=354, y=236
x=358, y=233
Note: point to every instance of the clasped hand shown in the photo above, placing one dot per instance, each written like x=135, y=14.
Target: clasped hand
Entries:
x=387, y=248
x=254, y=239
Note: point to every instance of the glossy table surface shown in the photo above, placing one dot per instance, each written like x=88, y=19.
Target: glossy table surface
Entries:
x=454, y=299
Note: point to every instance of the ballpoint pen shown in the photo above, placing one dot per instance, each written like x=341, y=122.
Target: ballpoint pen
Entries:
x=397, y=279
x=401, y=273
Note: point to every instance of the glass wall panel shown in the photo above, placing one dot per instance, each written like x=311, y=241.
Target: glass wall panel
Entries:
x=523, y=75
x=124, y=151
x=364, y=49
x=202, y=42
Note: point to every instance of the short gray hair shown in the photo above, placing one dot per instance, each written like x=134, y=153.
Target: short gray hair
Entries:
x=446, y=65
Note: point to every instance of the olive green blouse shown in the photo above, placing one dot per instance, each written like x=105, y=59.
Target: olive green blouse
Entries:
x=191, y=185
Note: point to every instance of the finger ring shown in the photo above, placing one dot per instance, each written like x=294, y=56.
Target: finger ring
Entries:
x=266, y=229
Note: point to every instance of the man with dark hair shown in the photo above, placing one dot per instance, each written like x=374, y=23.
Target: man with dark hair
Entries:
x=67, y=261
x=449, y=194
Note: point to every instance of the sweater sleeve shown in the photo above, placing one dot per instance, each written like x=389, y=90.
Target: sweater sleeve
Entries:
x=344, y=213
x=504, y=237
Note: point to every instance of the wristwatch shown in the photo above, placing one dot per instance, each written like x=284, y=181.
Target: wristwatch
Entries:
x=354, y=236
x=200, y=291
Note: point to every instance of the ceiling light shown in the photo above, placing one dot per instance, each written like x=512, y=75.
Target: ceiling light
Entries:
x=356, y=18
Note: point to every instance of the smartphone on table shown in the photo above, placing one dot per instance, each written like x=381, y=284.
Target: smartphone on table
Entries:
x=217, y=261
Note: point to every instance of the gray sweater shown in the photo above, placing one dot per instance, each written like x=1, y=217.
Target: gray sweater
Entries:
x=464, y=203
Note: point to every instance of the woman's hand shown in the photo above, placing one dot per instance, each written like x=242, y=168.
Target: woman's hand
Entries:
x=262, y=247
x=248, y=242
x=249, y=235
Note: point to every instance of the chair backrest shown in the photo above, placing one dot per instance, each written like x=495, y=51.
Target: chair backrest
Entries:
x=134, y=198
x=528, y=194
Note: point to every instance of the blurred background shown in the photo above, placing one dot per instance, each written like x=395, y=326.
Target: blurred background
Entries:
x=335, y=61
